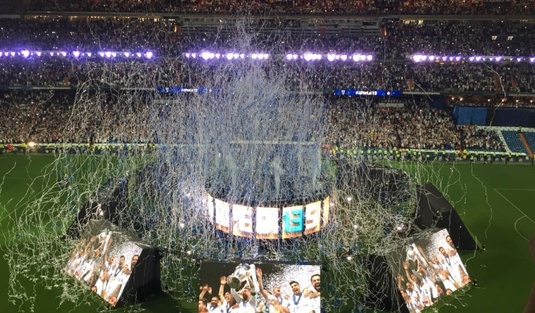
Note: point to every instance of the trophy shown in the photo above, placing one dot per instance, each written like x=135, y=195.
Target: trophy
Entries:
x=244, y=275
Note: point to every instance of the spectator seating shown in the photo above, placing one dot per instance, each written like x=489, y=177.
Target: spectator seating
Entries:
x=513, y=141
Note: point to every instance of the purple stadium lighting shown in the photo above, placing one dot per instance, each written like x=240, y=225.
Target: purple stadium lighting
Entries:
x=127, y=54
x=107, y=54
x=149, y=55
x=38, y=53
x=360, y=57
x=532, y=60
x=291, y=56
x=76, y=54
x=101, y=54
x=89, y=54
x=138, y=54
x=207, y=55
x=12, y=54
x=312, y=56
x=25, y=53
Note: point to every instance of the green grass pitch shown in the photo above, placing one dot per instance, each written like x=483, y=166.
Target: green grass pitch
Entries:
x=495, y=201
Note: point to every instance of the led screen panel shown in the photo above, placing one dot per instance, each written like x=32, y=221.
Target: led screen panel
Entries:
x=312, y=217
x=222, y=215
x=103, y=259
x=242, y=221
x=248, y=286
x=267, y=223
x=326, y=210
x=292, y=222
x=210, y=207
x=427, y=270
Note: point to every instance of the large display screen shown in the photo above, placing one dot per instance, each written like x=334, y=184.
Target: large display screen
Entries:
x=242, y=221
x=427, y=270
x=250, y=287
x=103, y=259
x=265, y=222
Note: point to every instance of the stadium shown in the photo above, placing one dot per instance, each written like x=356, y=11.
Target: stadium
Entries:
x=218, y=156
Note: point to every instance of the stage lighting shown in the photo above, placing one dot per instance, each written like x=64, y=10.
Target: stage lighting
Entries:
x=127, y=54
x=25, y=53
x=38, y=53
x=76, y=53
x=89, y=54
x=138, y=54
x=107, y=54
x=149, y=54
x=207, y=55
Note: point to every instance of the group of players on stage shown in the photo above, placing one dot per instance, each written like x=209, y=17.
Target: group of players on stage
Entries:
x=424, y=281
x=93, y=264
x=252, y=297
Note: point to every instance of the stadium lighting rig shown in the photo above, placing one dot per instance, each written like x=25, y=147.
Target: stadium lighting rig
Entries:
x=76, y=54
x=430, y=58
x=307, y=56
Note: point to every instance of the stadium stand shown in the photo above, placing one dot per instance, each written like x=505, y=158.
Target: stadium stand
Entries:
x=513, y=141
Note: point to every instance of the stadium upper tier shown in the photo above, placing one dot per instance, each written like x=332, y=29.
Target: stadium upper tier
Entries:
x=385, y=39
x=364, y=7
x=321, y=77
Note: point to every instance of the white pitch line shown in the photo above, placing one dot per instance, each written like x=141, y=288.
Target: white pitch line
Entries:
x=514, y=206
x=516, y=228
x=516, y=189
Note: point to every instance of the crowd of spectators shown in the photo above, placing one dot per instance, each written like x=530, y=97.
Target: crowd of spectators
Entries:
x=354, y=122
x=479, y=139
x=47, y=116
x=37, y=115
x=364, y=7
x=398, y=40
x=46, y=71
x=392, y=68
